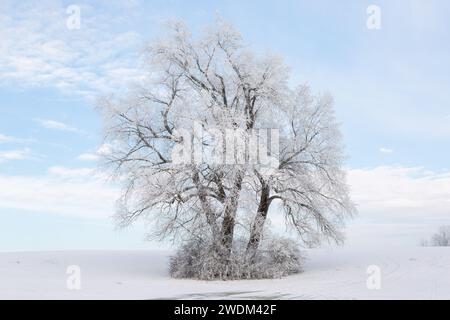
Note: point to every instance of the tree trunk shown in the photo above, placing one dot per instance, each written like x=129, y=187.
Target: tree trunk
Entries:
x=206, y=207
x=258, y=224
x=229, y=222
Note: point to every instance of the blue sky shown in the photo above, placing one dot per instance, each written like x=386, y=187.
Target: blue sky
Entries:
x=390, y=88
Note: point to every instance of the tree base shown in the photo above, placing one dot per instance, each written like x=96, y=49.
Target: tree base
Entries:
x=276, y=258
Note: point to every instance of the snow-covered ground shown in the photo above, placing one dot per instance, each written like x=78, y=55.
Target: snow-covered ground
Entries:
x=414, y=273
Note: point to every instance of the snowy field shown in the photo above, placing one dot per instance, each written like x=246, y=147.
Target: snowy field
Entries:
x=414, y=273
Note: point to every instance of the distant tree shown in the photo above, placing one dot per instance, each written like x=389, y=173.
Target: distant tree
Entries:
x=196, y=92
x=423, y=243
x=442, y=237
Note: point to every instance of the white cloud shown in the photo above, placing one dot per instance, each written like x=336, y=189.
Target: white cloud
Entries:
x=397, y=205
x=389, y=193
x=10, y=139
x=88, y=157
x=56, y=125
x=71, y=173
x=5, y=138
x=386, y=150
x=103, y=150
x=12, y=155
x=38, y=49
x=65, y=191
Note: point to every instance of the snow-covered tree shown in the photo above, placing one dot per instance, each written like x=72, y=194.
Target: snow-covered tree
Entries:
x=190, y=145
x=442, y=237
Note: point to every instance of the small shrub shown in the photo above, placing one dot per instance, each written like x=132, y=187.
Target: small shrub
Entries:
x=442, y=237
x=198, y=259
